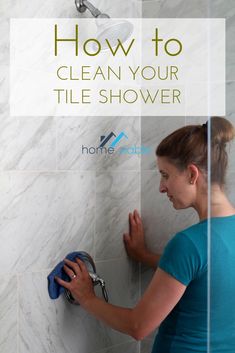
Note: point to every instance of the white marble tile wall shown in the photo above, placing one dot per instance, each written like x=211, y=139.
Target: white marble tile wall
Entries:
x=124, y=9
x=147, y=344
x=231, y=155
x=230, y=186
x=132, y=347
x=230, y=101
x=199, y=9
x=230, y=148
x=117, y=194
x=46, y=216
x=28, y=144
x=35, y=8
x=54, y=200
x=42, y=143
x=8, y=313
x=43, y=217
x=4, y=84
x=57, y=326
x=153, y=130
x=174, y=9
x=226, y=9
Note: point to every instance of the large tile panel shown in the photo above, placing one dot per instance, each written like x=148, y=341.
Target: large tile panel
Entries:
x=37, y=9
x=226, y=9
x=230, y=101
x=122, y=281
x=118, y=193
x=174, y=9
x=46, y=216
x=230, y=187
x=146, y=346
x=125, y=9
x=28, y=144
x=79, y=138
x=4, y=88
x=195, y=120
x=4, y=41
x=230, y=146
x=132, y=347
x=153, y=131
x=57, y=326
x=5, y=191
x=8, y=314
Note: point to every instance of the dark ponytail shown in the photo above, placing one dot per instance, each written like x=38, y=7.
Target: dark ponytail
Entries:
x=189, y=144
x=222, y=132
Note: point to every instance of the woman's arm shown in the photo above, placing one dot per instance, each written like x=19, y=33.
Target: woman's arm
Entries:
x=161, y=296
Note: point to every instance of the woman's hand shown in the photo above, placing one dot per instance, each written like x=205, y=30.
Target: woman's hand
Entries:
x=81, y=286
x=134, y=241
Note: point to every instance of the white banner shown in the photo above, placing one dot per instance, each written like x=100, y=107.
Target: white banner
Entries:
x=122, y=67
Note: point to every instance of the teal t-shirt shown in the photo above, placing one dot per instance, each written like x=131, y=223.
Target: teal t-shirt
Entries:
x=185, y=329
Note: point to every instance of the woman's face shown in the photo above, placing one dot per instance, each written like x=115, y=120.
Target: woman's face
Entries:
x=176, y=184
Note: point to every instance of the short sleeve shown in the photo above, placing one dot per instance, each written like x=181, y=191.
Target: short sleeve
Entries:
x=180, y=259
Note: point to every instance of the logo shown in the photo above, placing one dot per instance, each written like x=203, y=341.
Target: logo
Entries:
x=115, y=142
x=109, y=143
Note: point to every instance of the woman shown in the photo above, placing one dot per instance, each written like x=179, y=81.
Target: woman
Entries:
x=176, y=299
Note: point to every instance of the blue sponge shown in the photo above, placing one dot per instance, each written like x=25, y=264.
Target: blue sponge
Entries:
x=54, y=288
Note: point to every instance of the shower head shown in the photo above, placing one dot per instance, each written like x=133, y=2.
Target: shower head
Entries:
x=113, y=30
x=107, y=28
x=96, y=279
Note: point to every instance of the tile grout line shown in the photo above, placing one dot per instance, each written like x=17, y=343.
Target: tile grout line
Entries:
x=47, y=270
x=17, y=316
x=54, y=171
x=114, y=346
x=56, y=144
x=94, y=234
x=140, y=285
x=140, y=204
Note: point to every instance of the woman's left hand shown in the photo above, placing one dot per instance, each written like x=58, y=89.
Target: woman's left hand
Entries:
x=80, y=286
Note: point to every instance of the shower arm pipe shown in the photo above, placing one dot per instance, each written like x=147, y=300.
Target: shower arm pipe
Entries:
x=82, y=5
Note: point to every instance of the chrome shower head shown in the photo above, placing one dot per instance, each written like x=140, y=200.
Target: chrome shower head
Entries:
x=96, y=279
x=113, y=30
x=107, y=28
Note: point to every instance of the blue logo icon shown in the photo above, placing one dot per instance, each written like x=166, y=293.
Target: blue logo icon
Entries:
x=104, y=139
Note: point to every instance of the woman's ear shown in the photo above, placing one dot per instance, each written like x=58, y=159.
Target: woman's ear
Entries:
x=193, y=173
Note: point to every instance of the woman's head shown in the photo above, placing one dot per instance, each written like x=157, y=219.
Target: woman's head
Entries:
x=186, y=152
x=178, y=184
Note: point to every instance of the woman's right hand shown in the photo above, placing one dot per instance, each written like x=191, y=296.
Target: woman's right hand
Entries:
x=134, y=240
